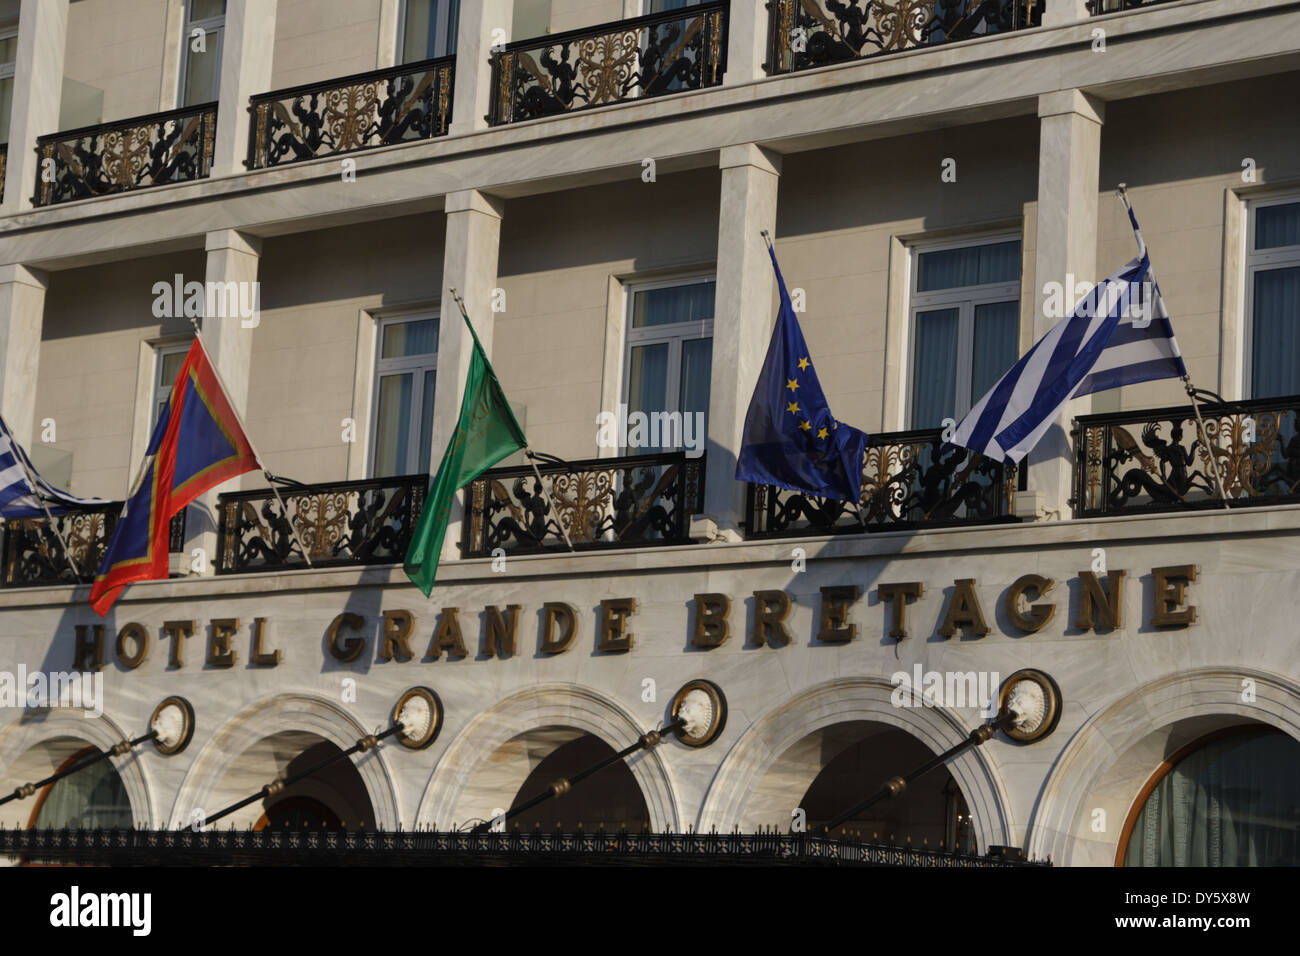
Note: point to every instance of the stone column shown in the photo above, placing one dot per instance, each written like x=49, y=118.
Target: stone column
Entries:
x=37, y=91
x=473, y=91
x=742, y=320
x=1069, y=159
x=390, y=28
x=22, y=313
x=746, y=42
x=233, y=259
x=469, y=266
x=246, y=57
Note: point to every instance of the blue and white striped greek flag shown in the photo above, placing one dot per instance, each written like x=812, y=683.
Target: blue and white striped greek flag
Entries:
x=1119, y=334
x=19, y=497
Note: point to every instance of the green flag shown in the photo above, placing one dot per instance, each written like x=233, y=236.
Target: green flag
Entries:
x=486, y=433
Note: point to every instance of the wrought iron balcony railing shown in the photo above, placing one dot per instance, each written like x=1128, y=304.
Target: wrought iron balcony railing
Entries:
x=909, y=480
x=653, y=55
x=4, y=161
x=170, y=147
x=601, y=502
x=339, y=523
x=1158, y=460
x=397, y=104
x=809, y=33
x=33, y=554
x=1097, y=7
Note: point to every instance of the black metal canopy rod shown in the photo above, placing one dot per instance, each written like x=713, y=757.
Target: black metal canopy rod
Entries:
x=117, y=750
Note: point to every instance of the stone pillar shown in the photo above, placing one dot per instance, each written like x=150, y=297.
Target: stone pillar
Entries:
x=22, y=313
x=233, y=257
x=174, y=41
x=246, y=57
x=746, y=42
x=473, y=90
x=743, y=315
x=469, y=266
x=1059, y=13
x=390, y=27
x=1069, y=159
x=37, y=91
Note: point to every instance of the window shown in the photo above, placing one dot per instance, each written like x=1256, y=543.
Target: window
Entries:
x=669, y=356
x=532, y=18
x=965, y=320
x=662, y=6
x=1228, y=800
x=201, y=69
x=428, y=29
x=1273, y=298
x=8, y=53
x=90, y=799
x=167, y=365
x=405, y=373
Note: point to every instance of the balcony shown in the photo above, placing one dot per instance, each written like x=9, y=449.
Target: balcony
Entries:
x=653, y=55
x=171, y=147
x=34, y=556
x=806, y=34
x=1158, y=460
x=638, y=501
x=352, y=113
x=4, y=161
x=1097, y=7
x=909, y=480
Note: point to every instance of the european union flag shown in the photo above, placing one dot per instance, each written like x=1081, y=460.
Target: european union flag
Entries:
x=791, y=439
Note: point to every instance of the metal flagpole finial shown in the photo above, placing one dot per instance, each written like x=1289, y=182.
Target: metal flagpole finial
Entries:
x=767, y=237
x=1122, y=192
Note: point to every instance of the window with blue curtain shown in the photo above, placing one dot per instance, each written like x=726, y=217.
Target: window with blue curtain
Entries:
x=965, y=312
x=670, y=355
x=429, y=29
x=405, y=377
x=1273, y=268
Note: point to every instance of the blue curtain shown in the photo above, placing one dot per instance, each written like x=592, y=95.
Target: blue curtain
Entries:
x=1230, y=803
x=1275, y=339
x=1277, y=226
x=647, y=384
x=697, y=361
x=996, y=335
x=678, y=303
x=968, y=265
x=935, y=368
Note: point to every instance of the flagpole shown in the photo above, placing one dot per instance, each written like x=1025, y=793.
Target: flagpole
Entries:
x=528, y=452
x=1122, y=191
x=198, y=337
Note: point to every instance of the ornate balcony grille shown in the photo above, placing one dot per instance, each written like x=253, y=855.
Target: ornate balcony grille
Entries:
x=645, y=56
x=601, y=502
x=352, y=522
x=171, y=147
x=365, y=111
x=809, y=33
x=433, y=848
x=909, y=480
x=1157, y=460
x=4, y=161
x=34, y=555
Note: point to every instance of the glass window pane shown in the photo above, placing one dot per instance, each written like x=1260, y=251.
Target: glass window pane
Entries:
x=426, y=423
x=94, y=798
x=203, y=9
x=679, y=303
x=1277, y=226
x=697, y=359
x=647, y=382
x=6, y=105
x=532, y=18
x=393, y=425
x=968, y=265
x=935, y=368
x=996, y=328
x=1275, y=337
x=659, y=6
x=403, y=339
x=203, y=70
x=169, y=368
x=429, y=29
x=8, y=49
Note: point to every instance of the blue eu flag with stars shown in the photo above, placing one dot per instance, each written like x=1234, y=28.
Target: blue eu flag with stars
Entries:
x=791, y=439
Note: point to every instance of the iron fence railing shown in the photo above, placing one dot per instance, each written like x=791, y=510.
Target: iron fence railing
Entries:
x=654, y=55
x=397, y=104
x=909, y=480
x=169, y=147
x=33, y=554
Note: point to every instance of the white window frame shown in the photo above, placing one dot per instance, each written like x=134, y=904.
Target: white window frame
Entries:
x=444, y=30
x=7, y=71
x=647, y=4
x=162, y=390
x=965, y=298
x=672, y=335
x=392, y=366
x=210, y=26
x=1281, y=257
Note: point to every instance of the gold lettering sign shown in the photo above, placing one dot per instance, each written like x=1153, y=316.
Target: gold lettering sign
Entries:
x=1169, y=598
x=177, y=631
x=559, y=627
x=771, y=608
x=394, y=633
x=836, y=601
x=1110, y=607
x=139, y=639
x=350, y=648
x=447, y=637
x=1039, y=614
x=964, y=611
x=220, y=653
x=614, y=635
x=711, y=627
x=499, y=631
x=258, y=655
x=897, y=595
x=89, y=655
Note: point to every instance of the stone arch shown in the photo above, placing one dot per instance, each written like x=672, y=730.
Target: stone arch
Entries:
x=306, y=718
x=499, y=740
x=1109, y=758
x=32, y=749
x=743, y=779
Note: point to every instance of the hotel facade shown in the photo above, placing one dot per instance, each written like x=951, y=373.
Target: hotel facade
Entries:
x=307, y=179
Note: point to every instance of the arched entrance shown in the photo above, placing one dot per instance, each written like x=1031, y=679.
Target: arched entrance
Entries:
x=94, y=798
x=609, y=798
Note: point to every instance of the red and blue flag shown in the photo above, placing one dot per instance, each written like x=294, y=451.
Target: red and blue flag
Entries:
x=197, y=444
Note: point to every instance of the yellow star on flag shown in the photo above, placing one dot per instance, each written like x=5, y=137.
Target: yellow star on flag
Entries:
x=792, y=385
x=793, y=407
x=806, y=426
x=822, y=433
x=804, y=363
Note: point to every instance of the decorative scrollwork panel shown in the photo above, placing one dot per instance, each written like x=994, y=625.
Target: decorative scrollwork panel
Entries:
x=34, y=555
